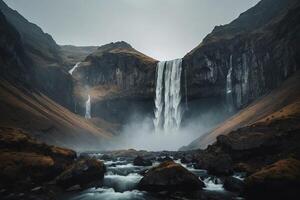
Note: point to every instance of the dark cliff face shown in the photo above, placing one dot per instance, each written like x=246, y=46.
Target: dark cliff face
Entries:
x=120, y=65
x=118, y=78
x=259, y=47
x=12, y=54
x=34, y=39
x=36, y=58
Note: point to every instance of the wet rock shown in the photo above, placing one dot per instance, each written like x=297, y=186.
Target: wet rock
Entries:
x=216, y=164
x=280, y=180
x=234, y=184
x=164, y=159
x=187, y=159
x=106, y=157
x=170, y=176
x=74, y=188
x=140, y=161
x=83, y=172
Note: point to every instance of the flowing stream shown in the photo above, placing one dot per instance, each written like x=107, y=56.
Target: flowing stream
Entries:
x=122, y=177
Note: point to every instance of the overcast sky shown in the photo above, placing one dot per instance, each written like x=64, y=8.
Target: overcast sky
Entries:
x=163, y=29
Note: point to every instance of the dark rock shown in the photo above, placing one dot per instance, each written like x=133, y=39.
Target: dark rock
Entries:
x=83, y=172
x=280, y=180
x=187, y=159
x=74, y=188
x=106, y=157
x=216, y=164
x=164, y=159
x=234, y=184
x=140, y=161
x=24, y=158
x=169, y=176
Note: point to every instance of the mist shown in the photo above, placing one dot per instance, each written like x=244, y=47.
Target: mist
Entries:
x=138, y=133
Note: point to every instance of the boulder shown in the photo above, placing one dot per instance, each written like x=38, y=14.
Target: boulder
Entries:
x=272, y=180
x=140, y=161
x=82, y=173
x=164, y=159
x=233, y=184
x=24, y=159
x=170, y=176
x=216, y=164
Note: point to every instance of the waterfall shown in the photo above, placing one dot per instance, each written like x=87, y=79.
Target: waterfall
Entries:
x=73, y=69
x=168, y=113
x=229, y=87
x=88, y=108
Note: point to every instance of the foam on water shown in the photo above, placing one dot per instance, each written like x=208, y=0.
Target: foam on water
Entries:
x=212, y=184
x=122, y=183
x=109, y=194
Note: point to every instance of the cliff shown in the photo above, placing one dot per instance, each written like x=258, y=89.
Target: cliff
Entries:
x=40, y=56
x=280, y=107
x=248, y=57
x=118, y=78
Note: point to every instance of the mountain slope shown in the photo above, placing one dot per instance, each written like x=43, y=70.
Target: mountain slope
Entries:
x=279, y=104
x=40, y=59
x=35, y=40
x=46, y=120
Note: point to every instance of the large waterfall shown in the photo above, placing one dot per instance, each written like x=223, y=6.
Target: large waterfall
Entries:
x=88, y=108
x=168, y=112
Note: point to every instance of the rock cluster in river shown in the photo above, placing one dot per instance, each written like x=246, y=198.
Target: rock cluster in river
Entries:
x=170, y=176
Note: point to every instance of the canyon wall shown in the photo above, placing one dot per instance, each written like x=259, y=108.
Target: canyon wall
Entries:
x=257, y=52
x=119, y=79
x=258, y=48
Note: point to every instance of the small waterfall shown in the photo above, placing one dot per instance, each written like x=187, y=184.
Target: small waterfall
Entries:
x=229, y=87
x=168, y=113
x=73, y=69
x=88, y=108
x=185, y=88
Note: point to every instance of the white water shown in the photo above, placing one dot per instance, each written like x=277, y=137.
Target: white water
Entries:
x=168, y=113
x=88, y=108
x=229, y=87
x=109, y=194
x=122, y=183
x=212, y=184
x=73, y=69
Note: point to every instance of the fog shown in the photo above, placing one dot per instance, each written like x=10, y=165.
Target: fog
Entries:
x=139, y=132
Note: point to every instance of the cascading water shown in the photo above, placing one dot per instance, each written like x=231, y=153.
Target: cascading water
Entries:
x=88, y=108
x=73, y=69
x=168, y=113
x=229, y=87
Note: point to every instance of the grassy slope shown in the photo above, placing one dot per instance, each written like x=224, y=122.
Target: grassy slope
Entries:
x=46, y=120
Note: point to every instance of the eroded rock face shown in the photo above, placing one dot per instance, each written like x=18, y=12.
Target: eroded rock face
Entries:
x=254, y=61
x=277, y=181
x=120, y=65
x=169, y=176
x=119, y=79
